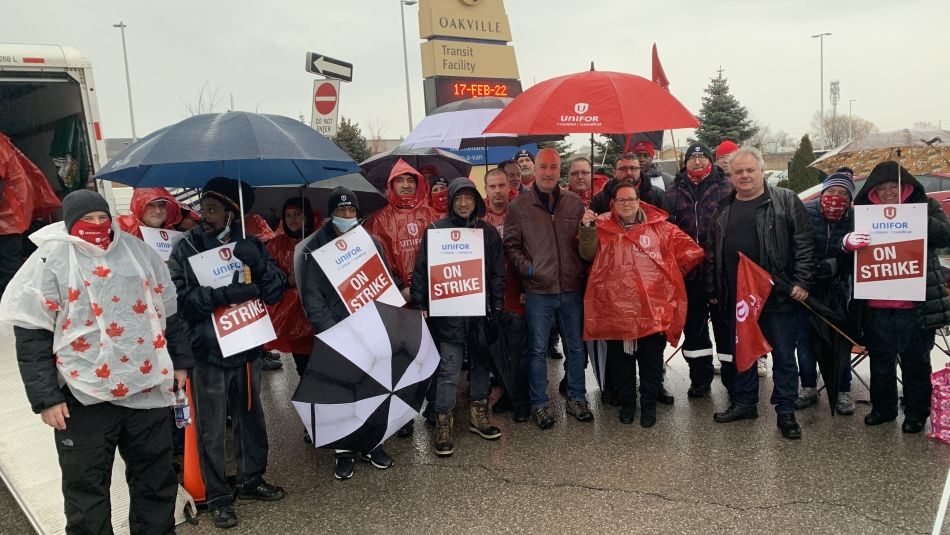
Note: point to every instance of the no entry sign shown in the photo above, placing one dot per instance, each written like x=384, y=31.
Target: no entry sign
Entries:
x=326, y=109
x=456, y=259
x=894, y=265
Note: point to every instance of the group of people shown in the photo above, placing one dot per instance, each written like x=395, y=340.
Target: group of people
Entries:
x=107, y=333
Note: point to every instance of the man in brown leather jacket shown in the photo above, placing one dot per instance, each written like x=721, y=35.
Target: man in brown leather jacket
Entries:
x=540, y=239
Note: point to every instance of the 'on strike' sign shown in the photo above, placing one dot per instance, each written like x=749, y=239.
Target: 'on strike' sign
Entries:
x=456, y=259
x=353, y=265
x=894, y=266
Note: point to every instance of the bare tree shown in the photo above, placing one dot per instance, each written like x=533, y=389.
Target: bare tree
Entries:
x=926, y=125
x=375, y=130
x=841, y=129
x=207, y=100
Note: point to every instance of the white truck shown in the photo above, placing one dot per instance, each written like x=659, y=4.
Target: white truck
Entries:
x=47, y=92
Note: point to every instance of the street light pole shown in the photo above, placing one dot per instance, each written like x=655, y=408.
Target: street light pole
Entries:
x=405, y=54
x=821, y=86
x=850, y=121
x=128, y=82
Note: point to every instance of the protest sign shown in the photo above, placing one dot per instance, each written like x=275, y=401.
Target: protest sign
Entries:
x=456, y=259
x=894, y=265
x=162, y=240
x=353, y=266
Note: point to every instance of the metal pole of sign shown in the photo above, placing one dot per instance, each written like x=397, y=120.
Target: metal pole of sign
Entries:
x=405, y=55
x=128, y=84
x=942, y=510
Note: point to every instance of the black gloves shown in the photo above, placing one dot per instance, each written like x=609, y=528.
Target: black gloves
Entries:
x=827, y=267
x=246, y=251
x=234, y=293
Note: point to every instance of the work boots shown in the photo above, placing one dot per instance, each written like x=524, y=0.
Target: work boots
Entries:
x=444, y=424
x=478, y=420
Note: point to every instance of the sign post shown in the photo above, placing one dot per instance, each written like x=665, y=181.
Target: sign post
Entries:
x=894, y=265
x=456, y=260
x=354, y=268
x=329, y=67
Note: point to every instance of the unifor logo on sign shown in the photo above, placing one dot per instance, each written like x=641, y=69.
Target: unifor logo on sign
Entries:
x=456, y=235
x=341, y=245
x=225, y=254
x=890, y=212
x=163, y=234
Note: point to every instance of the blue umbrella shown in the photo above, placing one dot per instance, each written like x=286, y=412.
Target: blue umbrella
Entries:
x=262, y=150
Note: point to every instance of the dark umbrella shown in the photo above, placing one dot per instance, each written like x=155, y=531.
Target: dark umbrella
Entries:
x=377, y=167
x=318, y=193
x=366, y=378
x=262, y=150
x=505, y=341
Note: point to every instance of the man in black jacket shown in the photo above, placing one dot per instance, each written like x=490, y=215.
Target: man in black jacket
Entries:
x=627, y=169
x=768, y=225
x=226, y=386
x=323, y=305
x=458, y=334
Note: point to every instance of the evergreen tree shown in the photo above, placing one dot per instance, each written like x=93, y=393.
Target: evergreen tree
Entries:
x=800, y=176
x=350, y=139
x=606, y=150
x=722, y=117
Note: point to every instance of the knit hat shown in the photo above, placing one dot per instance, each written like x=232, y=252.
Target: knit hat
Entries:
x=726, y=147
x=645, y=146
x=842, y=180
x=438, y=181
x=695, y=148
x=81, y=202
x=226, y=190
x=341, y=196
x=523, y=153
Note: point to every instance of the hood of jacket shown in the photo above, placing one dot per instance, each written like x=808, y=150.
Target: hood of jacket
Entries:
x=422, y=185
x=455, y=187
x=887, y=172
x=141, y=197
x=308, y=220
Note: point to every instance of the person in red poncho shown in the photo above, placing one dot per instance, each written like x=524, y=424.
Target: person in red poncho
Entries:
x=294, y=333
x=152, y=207
x=399, y=226
x=636, y=297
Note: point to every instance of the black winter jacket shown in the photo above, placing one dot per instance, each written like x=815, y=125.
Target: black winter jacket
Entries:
x=934, y=311
x=452, y=329
x=196, y=303
x=321, y=301
x=649, y=194
x=786, y=245
x=692, y=207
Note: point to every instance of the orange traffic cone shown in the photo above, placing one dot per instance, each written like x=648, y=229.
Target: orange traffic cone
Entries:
x=191, y=479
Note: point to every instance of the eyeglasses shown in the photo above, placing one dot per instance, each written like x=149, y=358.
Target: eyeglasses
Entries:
x=627, y=169
x=628, y=200
x=580, y=173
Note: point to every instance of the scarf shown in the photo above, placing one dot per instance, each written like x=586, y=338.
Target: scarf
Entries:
x=440, y=201
x=96, y=234
x=834, y=207
x=696, y=176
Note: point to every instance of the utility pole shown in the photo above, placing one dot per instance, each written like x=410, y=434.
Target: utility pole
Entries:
x=850, y=120
x=128, y=82
x=835, y=95
x=405, y=54
x=821, y=86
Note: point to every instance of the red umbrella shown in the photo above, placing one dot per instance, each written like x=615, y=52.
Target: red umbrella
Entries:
x=592, y=102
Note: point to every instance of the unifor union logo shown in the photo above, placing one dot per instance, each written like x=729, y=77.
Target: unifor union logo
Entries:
x=225, y=254
x=456, y=235
x=343, y=198
x=742, y=311
x=163, y=234
x=890, y=212
x=341, y=245
x=644, y=241
x=413, y=229
x=581, y=108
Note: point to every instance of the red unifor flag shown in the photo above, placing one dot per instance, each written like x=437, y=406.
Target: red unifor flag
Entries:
x=658, y=75
x=753, y=286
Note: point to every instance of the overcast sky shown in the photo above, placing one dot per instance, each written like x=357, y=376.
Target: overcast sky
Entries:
x=890, y=57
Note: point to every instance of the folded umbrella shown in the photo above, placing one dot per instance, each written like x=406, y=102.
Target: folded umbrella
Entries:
x=505, y=341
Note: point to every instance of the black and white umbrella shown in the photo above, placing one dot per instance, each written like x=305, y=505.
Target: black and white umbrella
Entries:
x=366, y=378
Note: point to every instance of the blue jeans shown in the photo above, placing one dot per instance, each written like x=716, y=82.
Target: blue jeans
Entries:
x=783, y=331
x=541, y=310
x=808, y=348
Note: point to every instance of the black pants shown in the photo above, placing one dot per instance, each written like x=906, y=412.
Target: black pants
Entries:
x=697, y=347
x=86, y=455
x=219, y=392
x=649, y=357
x=890, y=333
x=11, y=258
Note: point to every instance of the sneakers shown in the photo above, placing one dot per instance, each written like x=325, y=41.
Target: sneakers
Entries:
x=845, y=404
x=790, y=428
x=378, y=458
x=478, y=420
x=344, y=466
x=224, y=517
x=444, y=424
x=808, y=397
x=762, y=367
x=270, y=361
x=543, y=417
x=578, y=409
x=735, y=413
x=263, y=491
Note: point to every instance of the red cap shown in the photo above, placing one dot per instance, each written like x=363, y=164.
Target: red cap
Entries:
x=726, y=147
x=644, y=146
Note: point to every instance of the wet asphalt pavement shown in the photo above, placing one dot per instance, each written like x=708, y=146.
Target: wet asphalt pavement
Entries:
x=687, y=474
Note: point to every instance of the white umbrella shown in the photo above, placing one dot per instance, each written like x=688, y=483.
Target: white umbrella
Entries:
x=463, y=129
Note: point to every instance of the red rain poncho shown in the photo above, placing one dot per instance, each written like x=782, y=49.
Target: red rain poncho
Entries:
x=401, y=224
x=294, y=333
x=26, y=194
x=141, y=197
x=635, y=287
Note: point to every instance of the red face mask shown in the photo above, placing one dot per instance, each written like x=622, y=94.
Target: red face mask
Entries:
x=834, y=207
x=96, y=234
x=440, y=201
x=697, y=176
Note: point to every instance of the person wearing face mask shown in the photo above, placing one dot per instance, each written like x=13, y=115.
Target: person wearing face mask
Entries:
x=87, y=370
x=439, y=195
x=459, y=335
x=904, y=329
x=323, y=306
x=152, y=207
x=831, y=218
x=226, y=386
